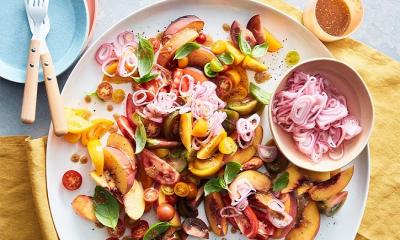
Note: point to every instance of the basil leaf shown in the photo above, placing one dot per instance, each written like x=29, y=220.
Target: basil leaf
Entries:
x=231, y=171
x=145, y=56
x=140, y=134
x=149, y=76
x=259, y=94
x=244, y=45
x=213, y=185
x=155, y=230
x=208, y=72
x=106, y=207
x=216, y=65
x=281, y=182
x=259, y=50
x=186, y=49
x=226, y=58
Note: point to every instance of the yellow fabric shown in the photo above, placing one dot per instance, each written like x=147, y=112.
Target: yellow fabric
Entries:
x=21, y=160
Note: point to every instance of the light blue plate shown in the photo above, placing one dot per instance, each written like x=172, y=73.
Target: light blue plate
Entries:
x=69, y=26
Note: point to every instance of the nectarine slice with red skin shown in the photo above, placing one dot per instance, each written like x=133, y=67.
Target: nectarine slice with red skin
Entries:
x=315, y=176
x=177, y=40
x=259, y=181
x=290, y=202
x=256, y=27
x=213, y=203
x=237, y=29
x=83, y=206
x=201, y=57
x=134, y=201
x=333, y=204
x=324, y=190
x=295, y=178
x=120, y=167
x=308, y=225
x=121, y=143
x=188, y=21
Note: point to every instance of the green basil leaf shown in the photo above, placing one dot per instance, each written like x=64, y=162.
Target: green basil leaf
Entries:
x=244, y=45
x=155, y=230
x=216, y=65
x=106, y=207
x=208, y=72
x=231, y=171
x=222, y=183
x=281, y=182
x=140, y=134
x=259, y=94
x=259, y=50
x=145, y=56
x=186, y=49
x=213, y=185
x=226, y=58
x=149, y=76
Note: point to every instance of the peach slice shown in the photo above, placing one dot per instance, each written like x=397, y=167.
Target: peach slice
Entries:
x=213, y=204
x=120, y=167
x=188, y=21
x=259, y=181
x=308, y=226
x=100, y=180
x=236, y=29
x=195, y=73
x=256, y=27
x=290, y=202
x=83, y=206
x=295, y=178
x=176, y=220
x=201, y=57
x=333, y=204
x=324, y=190
x=134, y=201
x=177, y=40
x=304, y=187
x=315, y=176
x=121, y=143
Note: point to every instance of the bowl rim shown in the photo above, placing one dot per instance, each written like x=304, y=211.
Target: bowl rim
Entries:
x=340, y=163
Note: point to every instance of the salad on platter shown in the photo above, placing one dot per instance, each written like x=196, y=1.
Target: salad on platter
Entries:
x=191, y=137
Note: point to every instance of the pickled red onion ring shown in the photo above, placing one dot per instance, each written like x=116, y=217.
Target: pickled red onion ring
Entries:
x=104, y=53
x=127, y=62
x=277, y=214
x=140, y=97
x=312, y=109
x=245, y=128
x=244, y=190
x=125, y=37
x=267, y=153
x=106, y=64
x=190, y=81
x=229, y=211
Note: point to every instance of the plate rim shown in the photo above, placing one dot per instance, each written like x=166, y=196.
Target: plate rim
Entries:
x=64, y=66
x=258, y=2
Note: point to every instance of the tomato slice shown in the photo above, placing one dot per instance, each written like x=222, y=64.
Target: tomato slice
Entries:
x=130, y=108
x=248, y=224
x=158, y=169
x=181, y=189
x=104, y=91
x=72, y=180
x=224, y=86
x=139, y=229
x=150, y=194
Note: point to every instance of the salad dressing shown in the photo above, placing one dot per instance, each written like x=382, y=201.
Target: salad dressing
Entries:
x=333, y=16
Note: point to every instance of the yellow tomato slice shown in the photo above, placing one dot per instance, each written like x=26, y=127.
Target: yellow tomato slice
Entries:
x=227, y=146
x=96, y=154
x=200, y=128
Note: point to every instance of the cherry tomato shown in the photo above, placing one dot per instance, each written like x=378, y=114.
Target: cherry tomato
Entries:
x=202, y=38
x=181, y=189
x=104, y=91
x=165, y=212
x=118, y=95
x=150, y=194
x=192, y=190
x=72, y=180
x=224, y=86
x=156, y=44
x=118, y=231
x=152, y=128
x=139, y=229
x=167, y=190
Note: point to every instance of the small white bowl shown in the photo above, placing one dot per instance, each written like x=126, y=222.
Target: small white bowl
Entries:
x=310, y=20
x=349, y=83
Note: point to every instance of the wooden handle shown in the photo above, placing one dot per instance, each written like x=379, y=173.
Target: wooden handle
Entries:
x=53, y=94
x=28, y=111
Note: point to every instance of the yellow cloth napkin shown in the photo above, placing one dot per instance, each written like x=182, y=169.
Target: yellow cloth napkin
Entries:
x=23, y=160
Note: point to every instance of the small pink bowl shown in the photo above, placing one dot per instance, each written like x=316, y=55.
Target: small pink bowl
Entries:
x=350, y=84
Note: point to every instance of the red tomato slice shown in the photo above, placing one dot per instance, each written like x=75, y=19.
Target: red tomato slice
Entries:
x=118, y=231
x=248, y=224
x=72, y=180
x=224, y=86
x=139, y=229
x=130, y=108
x=150, y=194
x=158, y=169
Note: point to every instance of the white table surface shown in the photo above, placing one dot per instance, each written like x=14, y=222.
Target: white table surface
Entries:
x=380, y=30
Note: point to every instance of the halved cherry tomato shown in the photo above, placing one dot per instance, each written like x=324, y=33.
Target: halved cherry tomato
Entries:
x=139, y=229
x=227, y=146
x=165, y=212
x=72, y=180
x=118, y=95
x=152, y=128
x=104, y=91
x=181, y=189
x=118, y=231
x=167, y=190
x=155, y=43
x=202, y=38
x=150, y=194
x=192, y=190
x=224, y=86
